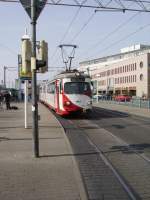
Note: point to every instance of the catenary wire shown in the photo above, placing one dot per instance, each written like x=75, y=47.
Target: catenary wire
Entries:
x=111, y=33
x=124, y=38
x=83, y=27
x=75, y=3
x=66, y=32
x=68, y=29
x=10, y=50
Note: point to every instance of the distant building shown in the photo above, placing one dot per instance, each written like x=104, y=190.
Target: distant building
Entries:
x=125, y=73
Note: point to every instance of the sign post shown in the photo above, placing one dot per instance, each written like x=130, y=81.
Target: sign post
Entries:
x=34, y=82
x=34, y=8
x=26, y=103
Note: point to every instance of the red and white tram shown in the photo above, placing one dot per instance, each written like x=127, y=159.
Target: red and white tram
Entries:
x=68, y=93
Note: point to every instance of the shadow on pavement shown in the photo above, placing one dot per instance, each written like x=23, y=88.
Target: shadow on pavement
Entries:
x=64, y=155
x=132, y=148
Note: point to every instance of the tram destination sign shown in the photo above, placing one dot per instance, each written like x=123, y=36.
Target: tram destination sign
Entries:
x=39, y=6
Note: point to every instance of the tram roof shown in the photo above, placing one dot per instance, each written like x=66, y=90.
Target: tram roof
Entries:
x=71, y=74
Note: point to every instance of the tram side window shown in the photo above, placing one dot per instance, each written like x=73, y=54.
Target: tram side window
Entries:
x=51, y=88
x=60, y=87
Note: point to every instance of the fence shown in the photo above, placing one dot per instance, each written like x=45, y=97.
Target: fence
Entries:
x=140, y=103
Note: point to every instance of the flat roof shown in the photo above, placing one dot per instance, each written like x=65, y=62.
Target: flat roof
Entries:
x=118, y=56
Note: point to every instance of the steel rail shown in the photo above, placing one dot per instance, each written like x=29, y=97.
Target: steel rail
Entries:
x=123, y=183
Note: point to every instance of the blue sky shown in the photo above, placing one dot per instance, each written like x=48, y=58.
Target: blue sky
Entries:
x=53, y=23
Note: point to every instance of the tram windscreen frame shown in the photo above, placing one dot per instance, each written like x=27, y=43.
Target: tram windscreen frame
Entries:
x=77, y=88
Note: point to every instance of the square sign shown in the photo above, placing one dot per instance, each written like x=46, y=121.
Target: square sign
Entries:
x=39, y=5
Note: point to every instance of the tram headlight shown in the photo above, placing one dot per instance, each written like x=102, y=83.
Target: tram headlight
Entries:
x=67, y=103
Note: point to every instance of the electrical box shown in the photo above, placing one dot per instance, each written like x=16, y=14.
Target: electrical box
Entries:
x=42, y=62
x=26, y=53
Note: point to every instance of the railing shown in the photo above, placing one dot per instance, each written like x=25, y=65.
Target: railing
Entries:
x=140, y=103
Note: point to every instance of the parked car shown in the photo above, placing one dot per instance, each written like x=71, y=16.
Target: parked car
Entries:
x=123, y=98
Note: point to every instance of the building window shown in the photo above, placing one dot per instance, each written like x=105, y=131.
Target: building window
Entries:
x=135, y=65
x=141, y=64
x=120, y=79
x=141, y=77
x=130, y=67
x=133, y=78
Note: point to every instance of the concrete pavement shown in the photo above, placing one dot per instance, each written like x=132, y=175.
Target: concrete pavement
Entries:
x=54, y=175
x=143, y=112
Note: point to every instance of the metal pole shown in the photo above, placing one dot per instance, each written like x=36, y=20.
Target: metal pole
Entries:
x=34, y=82
x=26, y=103
x=5, y=76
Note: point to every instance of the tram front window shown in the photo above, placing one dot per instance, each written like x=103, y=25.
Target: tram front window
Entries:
x=77, y=88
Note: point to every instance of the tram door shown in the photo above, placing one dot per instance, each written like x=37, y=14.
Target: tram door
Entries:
x=57, y=96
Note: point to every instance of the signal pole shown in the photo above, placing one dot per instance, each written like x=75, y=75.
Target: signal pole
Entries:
x=34, y=81
x=33, y=9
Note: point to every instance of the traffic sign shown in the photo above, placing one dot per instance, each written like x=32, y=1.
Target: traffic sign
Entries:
x=39, y=5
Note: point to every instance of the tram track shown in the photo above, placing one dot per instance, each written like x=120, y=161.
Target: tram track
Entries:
x=125, y=190
x=110, y=158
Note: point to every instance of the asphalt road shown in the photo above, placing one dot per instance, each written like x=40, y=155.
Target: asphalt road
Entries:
x=133, y=130
x=125, y=142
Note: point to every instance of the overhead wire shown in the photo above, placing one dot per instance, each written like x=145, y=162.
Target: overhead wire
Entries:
x=9, y=49
x=66, y=32
x=77, y=34
x=102, y=40
x=75, y=3
x=125, y=37
x=83, y=27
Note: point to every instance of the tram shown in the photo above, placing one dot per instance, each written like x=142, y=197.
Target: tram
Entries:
x=70, y=92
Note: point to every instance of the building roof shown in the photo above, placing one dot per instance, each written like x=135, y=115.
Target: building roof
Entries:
x=116, y=57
